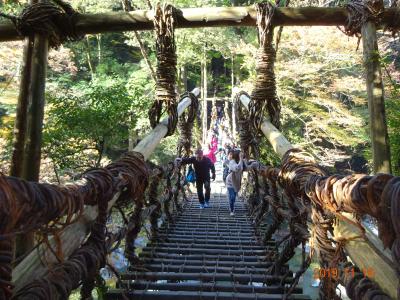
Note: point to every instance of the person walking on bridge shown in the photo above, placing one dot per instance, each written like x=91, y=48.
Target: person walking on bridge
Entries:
x=202, y=167
x=233, y=180
x=236, y=164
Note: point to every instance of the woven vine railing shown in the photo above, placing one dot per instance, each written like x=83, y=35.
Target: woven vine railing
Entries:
x=302, y=196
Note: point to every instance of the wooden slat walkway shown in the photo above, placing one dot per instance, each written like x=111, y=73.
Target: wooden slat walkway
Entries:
x=206, y=254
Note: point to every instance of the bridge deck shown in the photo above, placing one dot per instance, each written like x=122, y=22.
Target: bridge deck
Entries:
x=207, y=254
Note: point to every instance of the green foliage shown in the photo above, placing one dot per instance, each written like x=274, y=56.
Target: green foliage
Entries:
x=392, y=105
x=268, y=155
x=141, y=90
x=80, y=127
x=166, y=151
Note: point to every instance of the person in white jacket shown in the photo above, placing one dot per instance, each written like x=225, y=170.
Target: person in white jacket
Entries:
x=236, y=164
x=234, y=179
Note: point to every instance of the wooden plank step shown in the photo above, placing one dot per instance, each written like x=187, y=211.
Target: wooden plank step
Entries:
x=191, y=245
x=185, y=295
x=198, y=262
x=208, y=287
x=212, y=225
x=202, y=256
x=212, y=251
x=186, y=268
x=194, y=235
x=233, y=232
x=248, y=242
x=241, y=278
x=222, y=220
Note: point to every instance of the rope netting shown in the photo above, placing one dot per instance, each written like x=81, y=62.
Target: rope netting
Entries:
x=249, y=145
x=359, y=286
x=55, y=19
x=185, y=125
x=248, y=141
x=164, y=25
x=152, y=196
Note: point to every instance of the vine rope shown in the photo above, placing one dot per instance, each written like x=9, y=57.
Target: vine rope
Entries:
x=164, y=24
x=54, y=19
x=185, y=125
x=247, y=139
x=264, y=99
x=360, y=12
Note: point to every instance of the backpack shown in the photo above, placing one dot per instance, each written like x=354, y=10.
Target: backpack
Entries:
x=191, y=175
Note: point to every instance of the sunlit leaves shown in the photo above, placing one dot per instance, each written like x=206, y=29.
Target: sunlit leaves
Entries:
x=93, y=118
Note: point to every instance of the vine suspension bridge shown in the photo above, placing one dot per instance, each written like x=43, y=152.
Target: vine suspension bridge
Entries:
x=198, y=254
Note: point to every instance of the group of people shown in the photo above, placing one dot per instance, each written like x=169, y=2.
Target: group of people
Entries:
x=234, y=165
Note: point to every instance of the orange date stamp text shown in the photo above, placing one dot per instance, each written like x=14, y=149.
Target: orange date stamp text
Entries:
x=335, y=273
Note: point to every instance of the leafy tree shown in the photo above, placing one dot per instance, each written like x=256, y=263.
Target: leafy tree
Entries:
x=81, y=127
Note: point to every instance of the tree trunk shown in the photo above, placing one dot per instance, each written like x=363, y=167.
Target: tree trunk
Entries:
x=131, y=140
x=89, y=56
x=204, y=95
x=149, y=4
x=131, y=134
x=233, y=96
x=99, y=54
x=100, y=150
x=179, y=84
x=127, y=5
x=145, y=56
x=184, y=78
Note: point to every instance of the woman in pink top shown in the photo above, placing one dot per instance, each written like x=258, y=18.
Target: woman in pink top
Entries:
x=214, y=142
x=211, y=153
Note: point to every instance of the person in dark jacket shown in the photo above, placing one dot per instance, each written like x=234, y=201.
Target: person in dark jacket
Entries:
x=202, y=167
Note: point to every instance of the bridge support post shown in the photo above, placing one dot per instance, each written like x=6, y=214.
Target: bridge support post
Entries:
x=22, y=110
x=376, y=104
x=31, y=104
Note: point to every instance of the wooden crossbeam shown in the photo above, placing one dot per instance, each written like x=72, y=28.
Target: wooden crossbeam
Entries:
x=209, y=17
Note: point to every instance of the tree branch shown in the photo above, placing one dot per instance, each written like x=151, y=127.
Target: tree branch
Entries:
x=127, y=5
